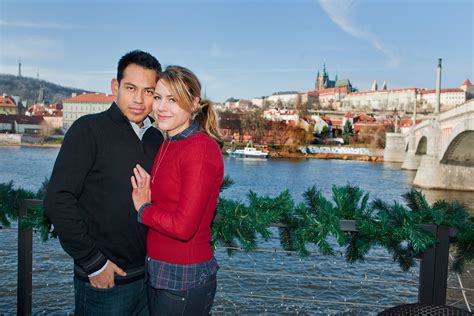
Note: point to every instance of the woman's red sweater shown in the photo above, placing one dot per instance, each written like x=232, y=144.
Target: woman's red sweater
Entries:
x=184, y=197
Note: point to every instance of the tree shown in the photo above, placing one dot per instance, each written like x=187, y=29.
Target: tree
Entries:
x=254, y=124
x=347, y=132
x=324, y=132
x=300, y=107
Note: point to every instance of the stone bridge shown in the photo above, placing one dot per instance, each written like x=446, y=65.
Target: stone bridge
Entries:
x=441, y=149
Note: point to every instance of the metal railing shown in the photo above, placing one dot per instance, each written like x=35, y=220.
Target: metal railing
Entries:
x=433, y=274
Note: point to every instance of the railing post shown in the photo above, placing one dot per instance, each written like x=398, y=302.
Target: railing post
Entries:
x=25, y=264
x=434, y=268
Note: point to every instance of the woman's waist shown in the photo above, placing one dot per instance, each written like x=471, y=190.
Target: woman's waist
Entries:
x=163, y=248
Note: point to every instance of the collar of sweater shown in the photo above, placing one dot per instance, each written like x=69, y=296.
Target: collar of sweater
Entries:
x=118, y=117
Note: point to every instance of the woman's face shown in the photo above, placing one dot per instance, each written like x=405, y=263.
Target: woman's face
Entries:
x=169, y=116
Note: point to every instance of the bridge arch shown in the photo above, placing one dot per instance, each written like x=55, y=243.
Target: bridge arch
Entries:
x=459, y=148
x=422, y=146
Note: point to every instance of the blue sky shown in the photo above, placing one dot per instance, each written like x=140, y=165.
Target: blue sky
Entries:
x=243, y=48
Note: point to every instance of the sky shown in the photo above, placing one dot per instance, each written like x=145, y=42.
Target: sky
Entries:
x=243, y=48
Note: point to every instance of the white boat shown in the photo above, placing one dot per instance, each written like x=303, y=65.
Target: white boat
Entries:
x=247, y=152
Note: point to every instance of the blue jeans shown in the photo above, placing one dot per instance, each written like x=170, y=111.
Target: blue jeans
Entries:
x=195, y=301
x=128, y=299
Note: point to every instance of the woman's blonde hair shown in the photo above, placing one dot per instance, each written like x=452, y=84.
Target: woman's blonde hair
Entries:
x=185, y=87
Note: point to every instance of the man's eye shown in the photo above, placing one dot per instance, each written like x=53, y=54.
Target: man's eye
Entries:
x=130, y=88
x=149, y=92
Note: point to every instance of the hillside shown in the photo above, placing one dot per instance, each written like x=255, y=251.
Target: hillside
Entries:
x=28, y=89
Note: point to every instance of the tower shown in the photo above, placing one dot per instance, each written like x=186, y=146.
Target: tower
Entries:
x=375, y=86
x=19, y=68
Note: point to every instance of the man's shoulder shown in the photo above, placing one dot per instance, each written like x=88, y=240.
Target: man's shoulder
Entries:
x=90, y=120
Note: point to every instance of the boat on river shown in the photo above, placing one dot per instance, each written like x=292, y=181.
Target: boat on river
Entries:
x=248, y=152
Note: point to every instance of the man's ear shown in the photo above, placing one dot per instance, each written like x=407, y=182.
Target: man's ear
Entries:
x=114, y=86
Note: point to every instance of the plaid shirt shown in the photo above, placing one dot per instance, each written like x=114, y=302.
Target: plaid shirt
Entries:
x=179, y=277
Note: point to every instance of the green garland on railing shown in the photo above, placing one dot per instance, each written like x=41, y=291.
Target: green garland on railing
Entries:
x=392, y=226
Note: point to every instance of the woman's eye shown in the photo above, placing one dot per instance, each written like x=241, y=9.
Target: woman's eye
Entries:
x=172, y=100
x=157, y=97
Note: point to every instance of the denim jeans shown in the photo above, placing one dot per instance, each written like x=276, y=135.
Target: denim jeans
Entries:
x=128, y=299
x=195, y=301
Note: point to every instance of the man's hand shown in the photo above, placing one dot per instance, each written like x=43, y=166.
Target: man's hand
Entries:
x=105, y=279
x=141, y=187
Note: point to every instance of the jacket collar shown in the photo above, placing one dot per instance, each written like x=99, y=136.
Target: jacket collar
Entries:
x=117, y=116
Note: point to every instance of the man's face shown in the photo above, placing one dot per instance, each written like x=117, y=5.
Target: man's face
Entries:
x=134, y=93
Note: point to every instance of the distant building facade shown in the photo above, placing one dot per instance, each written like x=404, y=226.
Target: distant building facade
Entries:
x=283, y=98
x=404, y=99
x=8, y=105
x=22, y=124
x=381, y=100
x=448, y=98
x=323, y=81
x=83, y=104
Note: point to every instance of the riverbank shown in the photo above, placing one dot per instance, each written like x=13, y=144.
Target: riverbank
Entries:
x=38, y=145
x=340, y=153
x=300, y=155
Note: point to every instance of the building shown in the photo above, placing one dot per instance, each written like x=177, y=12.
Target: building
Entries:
x=323, y=81
x=280, y=115
x=22, y=124
x=331, y=98
x=404, y=99
x=233, y=104
x=449, y=98
x=83, y=104
x=468, y=88
x=282, y=99
x=8, y=105
x=382, y=100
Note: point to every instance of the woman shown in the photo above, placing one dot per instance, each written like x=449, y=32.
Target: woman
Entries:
x=177, y=202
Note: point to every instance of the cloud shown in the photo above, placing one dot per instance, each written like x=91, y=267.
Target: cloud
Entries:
x=40, y=25
x=341, y=13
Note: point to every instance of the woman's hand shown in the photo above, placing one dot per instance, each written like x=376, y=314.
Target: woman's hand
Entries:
x=141, y=187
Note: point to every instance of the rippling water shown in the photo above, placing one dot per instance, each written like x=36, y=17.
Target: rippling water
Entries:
x=262, y=282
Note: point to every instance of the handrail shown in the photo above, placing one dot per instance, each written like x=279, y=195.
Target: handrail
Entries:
x=432, y=278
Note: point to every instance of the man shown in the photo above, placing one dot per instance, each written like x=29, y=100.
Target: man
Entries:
x=89, y=196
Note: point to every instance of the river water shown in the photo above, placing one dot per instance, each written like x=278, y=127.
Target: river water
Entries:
x=268, y=281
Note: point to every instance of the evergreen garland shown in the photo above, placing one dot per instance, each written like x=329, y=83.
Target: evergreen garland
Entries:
x=238, y=225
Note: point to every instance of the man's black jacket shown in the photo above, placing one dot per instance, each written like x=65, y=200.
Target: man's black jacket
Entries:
x=89, y=195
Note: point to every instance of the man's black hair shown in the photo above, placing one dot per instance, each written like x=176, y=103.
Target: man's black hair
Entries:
x=140, y=58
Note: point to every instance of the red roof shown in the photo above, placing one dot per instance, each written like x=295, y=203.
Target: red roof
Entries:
x=21, y=119
x=467, y=83
x=408, y=122
x=92, y=98
x=365, y=117
x=333, y=90
x=7, y=102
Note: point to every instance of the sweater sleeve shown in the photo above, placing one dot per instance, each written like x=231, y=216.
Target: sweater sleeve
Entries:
x=198, y=181
x=61, y=204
